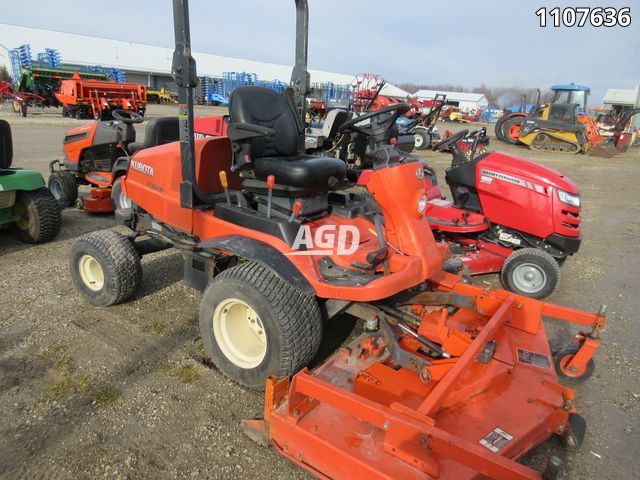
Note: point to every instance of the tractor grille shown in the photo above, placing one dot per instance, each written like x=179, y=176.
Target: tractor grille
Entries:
x=7, y=199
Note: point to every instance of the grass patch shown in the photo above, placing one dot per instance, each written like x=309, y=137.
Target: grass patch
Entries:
x=106, y=394
x=155, y=327
x=187, y=374
x=68, y=384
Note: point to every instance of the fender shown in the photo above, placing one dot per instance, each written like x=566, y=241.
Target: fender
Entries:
x=264, y=254
x=121, y=165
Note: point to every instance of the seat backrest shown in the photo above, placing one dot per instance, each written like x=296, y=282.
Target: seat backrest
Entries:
x=6, y=145
x=160, y=131
x=265, y=107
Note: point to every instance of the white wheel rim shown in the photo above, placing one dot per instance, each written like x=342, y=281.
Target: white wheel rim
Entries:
x=56, y=190
x=124, y=201
x=418, y=141
x=529, y=278
x=239, y=333
x=91, y=273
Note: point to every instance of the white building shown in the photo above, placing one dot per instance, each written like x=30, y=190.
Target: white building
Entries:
x=146, y=64
x=463, y=100
x=625, y=98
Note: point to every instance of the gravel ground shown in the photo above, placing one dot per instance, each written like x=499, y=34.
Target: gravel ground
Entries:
x=121, y=392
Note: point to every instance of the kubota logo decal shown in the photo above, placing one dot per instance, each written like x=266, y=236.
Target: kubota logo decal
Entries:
x=142, y=167
x=327, y=240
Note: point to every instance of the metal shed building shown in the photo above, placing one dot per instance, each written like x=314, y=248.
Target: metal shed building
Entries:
x=463, y=100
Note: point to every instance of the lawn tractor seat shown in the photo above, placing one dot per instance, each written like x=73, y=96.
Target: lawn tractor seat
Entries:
x=266, y=131
x=158, y=132
x=6, y=145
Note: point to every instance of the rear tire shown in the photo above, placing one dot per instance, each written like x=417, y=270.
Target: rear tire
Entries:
x=510, y=127
x=105, y=267
x=41, y=219
x=254, y=325
x=530, y=272
x=64, y=188
x=422, y=139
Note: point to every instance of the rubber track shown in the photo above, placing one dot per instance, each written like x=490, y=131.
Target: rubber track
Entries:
x=299, y=314
x=50, y=218
x=123, y=262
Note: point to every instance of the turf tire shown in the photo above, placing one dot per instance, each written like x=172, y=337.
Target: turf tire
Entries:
x=43, y=219
x=292, y=322
x=539, y=260
x=64, y=188
x=119, y=261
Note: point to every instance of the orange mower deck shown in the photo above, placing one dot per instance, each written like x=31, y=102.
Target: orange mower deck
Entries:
x=361, y=415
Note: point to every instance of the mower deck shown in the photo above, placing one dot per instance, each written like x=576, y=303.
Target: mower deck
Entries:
x=360, y=414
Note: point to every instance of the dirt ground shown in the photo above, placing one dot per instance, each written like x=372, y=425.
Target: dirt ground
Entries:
x=121, y=392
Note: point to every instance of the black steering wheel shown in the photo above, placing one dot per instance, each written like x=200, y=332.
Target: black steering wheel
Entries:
x=376, y=128
x=127, y=116
x=450, y=141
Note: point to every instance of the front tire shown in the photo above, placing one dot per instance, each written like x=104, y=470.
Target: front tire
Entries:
x=64, y=188
x=530, y=272
x=254, y=325
x=118, y=197
x=105, y=267
x=511, y=129
x=498, y=129
x=40, y=218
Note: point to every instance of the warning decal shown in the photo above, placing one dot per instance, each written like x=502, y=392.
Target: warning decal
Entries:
x=496, y=439
x=533, y=358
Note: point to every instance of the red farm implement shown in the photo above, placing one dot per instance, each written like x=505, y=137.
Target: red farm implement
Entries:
x=97, y=99
x=21, y=100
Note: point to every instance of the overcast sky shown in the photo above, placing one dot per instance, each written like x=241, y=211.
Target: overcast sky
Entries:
x=498, y=42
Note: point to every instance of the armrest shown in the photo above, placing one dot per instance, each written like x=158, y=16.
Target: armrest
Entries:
x=242, y=131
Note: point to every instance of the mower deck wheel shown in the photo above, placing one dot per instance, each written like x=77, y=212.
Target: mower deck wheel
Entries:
x=40, y=218
x=531, y=272
x=562, y=359
x=573, y=436
x=64, y=188
x=255, y=325
x=422, y=139
x=105, y=267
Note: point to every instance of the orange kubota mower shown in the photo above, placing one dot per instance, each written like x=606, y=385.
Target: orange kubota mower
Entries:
x=448, y=380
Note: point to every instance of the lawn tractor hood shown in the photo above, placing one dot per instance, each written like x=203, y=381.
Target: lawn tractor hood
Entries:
x=528, y=171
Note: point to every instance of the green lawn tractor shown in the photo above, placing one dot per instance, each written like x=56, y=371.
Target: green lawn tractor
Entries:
x=26, y=206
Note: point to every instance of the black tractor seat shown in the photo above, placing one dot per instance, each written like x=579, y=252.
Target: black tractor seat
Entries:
x=158, y=132
x=266, y=131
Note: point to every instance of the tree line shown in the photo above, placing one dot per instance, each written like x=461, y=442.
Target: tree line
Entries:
x=496, y=96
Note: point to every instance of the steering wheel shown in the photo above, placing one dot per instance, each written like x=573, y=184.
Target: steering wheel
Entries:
x=375, y=128
x=127, y=116
x=450, y=141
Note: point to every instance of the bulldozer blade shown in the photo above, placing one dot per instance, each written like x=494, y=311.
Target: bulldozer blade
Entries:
x=604, y=151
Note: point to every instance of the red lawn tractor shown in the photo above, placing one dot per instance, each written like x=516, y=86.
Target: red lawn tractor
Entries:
x=99, y=154
x=447, y=380
x=507, y=214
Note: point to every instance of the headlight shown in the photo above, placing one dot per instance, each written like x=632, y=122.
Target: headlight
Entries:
x=422, y=204
x=569, y=199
